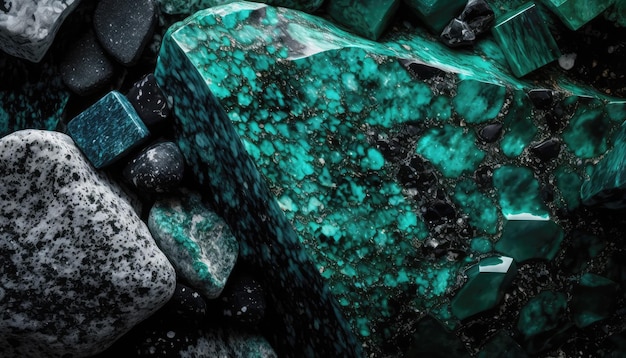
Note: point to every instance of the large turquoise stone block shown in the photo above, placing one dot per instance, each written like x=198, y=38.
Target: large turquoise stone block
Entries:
x=108, y=130
x=576, y=13
x=525, y=40
x=368, y=18
x=486, y=283
x=436, y=14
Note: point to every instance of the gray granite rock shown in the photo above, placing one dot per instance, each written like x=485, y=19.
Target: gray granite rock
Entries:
x=197, y=241
x=78, y=268
x=28, y=27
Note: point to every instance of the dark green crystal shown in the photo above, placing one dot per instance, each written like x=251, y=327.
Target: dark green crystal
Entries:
x=436, y=14
x=593, y=299
x=576, y=13
x=530, y=239
x=369, y=18
x=519, y=192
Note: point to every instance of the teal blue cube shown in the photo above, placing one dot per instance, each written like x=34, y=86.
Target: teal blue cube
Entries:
x=369, y=18
x=576, y=13
x=436, y=14
x=525, y=40
x=107, y=130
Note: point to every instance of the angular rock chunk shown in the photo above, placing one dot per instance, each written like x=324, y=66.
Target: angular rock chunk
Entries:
x=530, y=239
x=199, y=243
x=124, y=28
x=149, y=101
x=78, y=268
x=28, y=27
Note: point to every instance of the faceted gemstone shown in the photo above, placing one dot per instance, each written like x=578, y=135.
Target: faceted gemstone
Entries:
x=519, y=192
x=124, y=28
x=530, y=239
x=501, y=345
x=606, y=187
x=85, y=68
x=158, y=168
x=435, y=145
x=107, y=130
x=432, y=339
x=435, y=14
x=576, y=13
x=486, y=283
x=368, y=18
x=546, y=150
x=198, y=243
x=525, y=39
x=593, y=299
x=478, y=15
x=457, y=33
x=149, y=101
x=542, y=313
x=478, y=102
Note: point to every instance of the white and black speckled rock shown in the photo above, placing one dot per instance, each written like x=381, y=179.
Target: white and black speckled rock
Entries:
x=158, y=168
x=86, y=69
x=124, y=27
x=149, y=101
x=28, y=27
x=243, y=300
x=78, y=268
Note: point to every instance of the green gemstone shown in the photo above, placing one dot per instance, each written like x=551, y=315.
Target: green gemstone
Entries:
x=481, y=245
x=568, y=184
x=481, y=210
x=616, y=110
x=519, y=192
x=525, y=39
x=542, y=313
x=593, y=299
x=485, y=286
x=607, y=183
x=478, y=102
x=369, y=18
x=576, y=13
x=436, y=14
x=530, y=239
x=588, y=129
x=451, y=149
x=518, y=126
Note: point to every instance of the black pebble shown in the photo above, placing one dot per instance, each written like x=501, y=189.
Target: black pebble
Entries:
x=243, y=300
x=547, y=149
x=86, y=69
x=478, y=15
x=541, y=98
x=457, y=33
x=124, y=28
x=156, y=169
x=438, y=212
x=149, y=101
x=491, y=132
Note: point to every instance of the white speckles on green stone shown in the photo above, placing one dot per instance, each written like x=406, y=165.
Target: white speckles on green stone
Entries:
x=481, y=210
x=519, y=192
x=478, y=102
x=451, y=149
x=198, y=243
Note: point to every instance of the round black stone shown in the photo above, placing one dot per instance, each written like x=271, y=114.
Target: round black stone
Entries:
x=491, y=132
x=547, y=149
x=484, y=177
x=541, y=98
x=156, y=169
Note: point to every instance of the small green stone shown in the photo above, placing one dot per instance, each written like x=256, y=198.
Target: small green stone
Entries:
x=530, y=239
x=588, y=129
x=593, y=299
x=436, y=14
x=519, y=192
x=485, y=286
x=368, y=18
x=518, y=126
x=481, y=245
x=478, y=102
x=576, y=13
x=525, y=39
x=482, y=212
x=542, y=313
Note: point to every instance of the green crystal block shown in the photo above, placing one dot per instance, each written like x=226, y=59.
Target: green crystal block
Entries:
x=588, y=129
x=617, y=13
x=368, y=18
x=485, y=286
x=108, y=130
x=543, y=313
x=530, y=239
x=593, y=299
x=197, y=242
x=436, y=14
x=518, y=126
x=432, y=339
x=607, y=185
x=519, y=193
x=501, y=345
x=575, y=13
x=481, y=210
x=525, y=40
x=451, y=149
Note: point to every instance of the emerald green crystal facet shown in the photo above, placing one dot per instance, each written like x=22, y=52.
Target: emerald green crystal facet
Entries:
x=576, y=13
x=519, y=192
x=436, y=14
x=485, y=286
x=451, y=149
x=607, y=184
x=368, y=18
x=530, y=239
x=594, y=299
x=525, y=39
